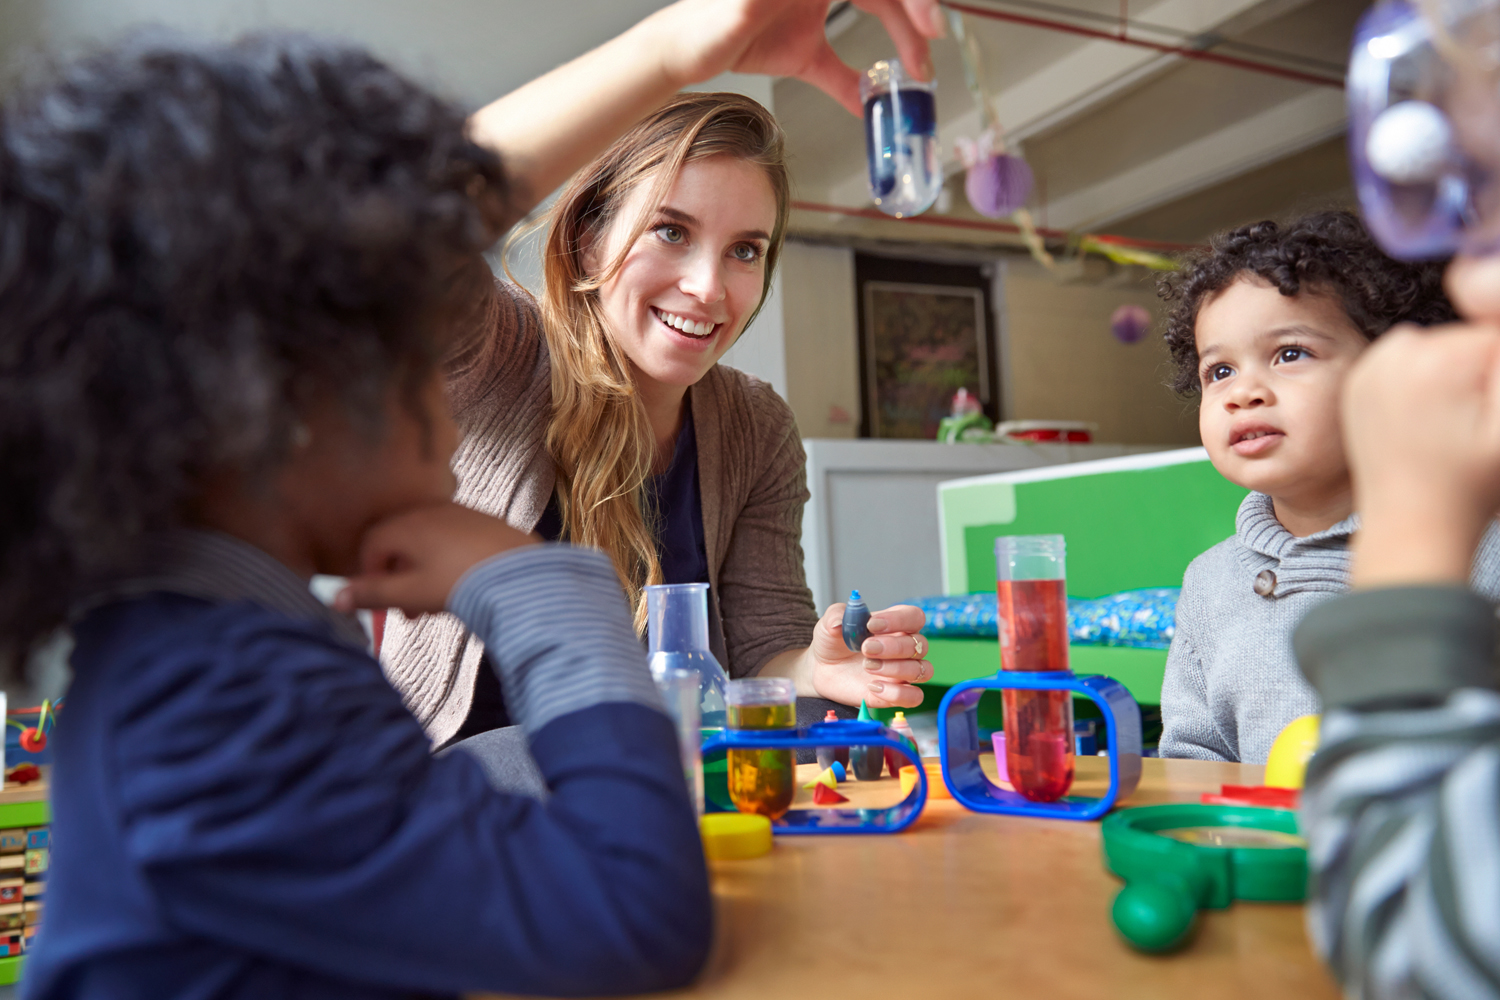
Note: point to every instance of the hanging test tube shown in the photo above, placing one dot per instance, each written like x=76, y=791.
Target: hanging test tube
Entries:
x=1031, y=583
x=762, y=781
x=901, y=143
x=677, y=630
x=680, y=692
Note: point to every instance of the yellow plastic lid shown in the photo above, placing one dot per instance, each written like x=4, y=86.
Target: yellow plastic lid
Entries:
x=729, y=836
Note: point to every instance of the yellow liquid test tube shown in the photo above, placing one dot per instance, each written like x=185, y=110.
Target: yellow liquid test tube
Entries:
x=762, y=781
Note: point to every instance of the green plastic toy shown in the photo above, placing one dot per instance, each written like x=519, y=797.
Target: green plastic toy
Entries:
x=1177, y=859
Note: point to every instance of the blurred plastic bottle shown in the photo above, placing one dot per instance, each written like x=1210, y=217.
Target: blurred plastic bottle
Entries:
x=901, y=143
x=677, y=629
x=679, y=691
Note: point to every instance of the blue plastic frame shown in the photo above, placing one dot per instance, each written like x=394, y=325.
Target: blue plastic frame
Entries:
x=958, y=744
x=845, y=732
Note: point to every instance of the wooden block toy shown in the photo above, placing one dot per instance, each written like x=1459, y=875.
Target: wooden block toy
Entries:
x=12, y=915
x=35, y=888
x=36, y=860
x=12, y=841
x=33, y=911
x=825, y=796
x=38, y=837
x=26, y=935
x=12, y=943
x=12, y=890
x=12, y=864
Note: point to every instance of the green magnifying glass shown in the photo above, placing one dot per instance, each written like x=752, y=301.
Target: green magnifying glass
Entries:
x=1178, y=859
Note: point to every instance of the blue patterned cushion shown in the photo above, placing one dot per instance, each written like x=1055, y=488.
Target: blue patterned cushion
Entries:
x=1139, y=618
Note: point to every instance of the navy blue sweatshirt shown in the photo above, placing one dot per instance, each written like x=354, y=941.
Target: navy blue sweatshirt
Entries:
x=242, y=806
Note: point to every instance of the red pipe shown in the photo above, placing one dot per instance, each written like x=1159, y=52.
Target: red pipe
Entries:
x=1252, y=65
x=991, y=227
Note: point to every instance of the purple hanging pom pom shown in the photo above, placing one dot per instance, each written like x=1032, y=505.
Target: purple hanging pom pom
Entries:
x=1129, y=323
x=998, y=185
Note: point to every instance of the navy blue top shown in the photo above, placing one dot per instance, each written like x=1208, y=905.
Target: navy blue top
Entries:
x=242, y=807
x=678, y=503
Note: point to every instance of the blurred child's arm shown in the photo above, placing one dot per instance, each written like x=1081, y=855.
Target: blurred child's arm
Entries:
x=1402, y=804
x=281, y=800
x=555, y=124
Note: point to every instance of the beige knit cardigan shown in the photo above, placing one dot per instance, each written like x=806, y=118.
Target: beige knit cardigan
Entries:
x=751, y=473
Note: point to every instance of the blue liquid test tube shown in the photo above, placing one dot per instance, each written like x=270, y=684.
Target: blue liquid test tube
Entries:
x=856, y=622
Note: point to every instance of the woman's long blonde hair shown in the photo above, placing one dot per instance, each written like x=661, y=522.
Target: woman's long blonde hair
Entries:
x=598, y=436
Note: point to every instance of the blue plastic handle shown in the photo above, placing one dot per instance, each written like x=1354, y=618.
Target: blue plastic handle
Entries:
x=845, y=732
x=958, y=744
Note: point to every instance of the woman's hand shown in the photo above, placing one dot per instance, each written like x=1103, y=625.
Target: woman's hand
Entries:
x=882, y=674
x=1421, y=414
x=786, y=38
x=413, y=560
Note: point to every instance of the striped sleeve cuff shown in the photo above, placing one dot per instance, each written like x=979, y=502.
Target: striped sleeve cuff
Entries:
x=1395, y=645
x=557, y=629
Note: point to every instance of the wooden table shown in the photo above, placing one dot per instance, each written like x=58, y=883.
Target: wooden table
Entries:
x=966, y=905
x=971, y=905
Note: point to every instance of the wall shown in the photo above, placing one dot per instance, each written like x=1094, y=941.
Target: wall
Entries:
x=822, y=353
x=1065, y=365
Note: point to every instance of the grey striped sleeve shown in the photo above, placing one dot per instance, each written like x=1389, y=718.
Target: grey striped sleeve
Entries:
x=1402, y=804
x=557, y=629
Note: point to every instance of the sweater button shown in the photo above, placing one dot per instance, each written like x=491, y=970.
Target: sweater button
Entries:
x=1265, y=583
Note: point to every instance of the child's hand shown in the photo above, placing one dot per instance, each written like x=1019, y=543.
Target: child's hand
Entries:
x=883, y=673
x=413, y=560
x=1422, y=428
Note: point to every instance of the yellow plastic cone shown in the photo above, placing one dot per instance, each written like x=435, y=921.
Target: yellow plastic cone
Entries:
x=826, y=778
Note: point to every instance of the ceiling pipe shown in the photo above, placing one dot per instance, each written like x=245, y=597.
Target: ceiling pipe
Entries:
x=1185, y=52
x=991, y=227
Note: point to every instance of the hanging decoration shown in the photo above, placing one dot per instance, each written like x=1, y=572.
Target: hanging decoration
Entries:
x=1129, y=323
x=998, y=182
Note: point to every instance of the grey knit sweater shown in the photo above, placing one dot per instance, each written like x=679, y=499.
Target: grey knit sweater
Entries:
x=1232, y=682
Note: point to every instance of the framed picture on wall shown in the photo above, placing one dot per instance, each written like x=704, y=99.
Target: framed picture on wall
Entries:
x=921, y=343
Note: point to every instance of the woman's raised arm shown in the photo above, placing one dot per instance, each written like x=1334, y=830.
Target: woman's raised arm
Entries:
x=555, y=124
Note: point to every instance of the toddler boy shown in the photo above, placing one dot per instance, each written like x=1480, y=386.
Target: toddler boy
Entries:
x=1265, y=326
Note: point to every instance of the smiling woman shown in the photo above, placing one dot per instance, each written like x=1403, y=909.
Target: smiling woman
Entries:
x=601, y=416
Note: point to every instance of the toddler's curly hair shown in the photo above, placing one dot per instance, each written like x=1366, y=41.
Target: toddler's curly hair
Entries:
x=1326, y=252
x=198, y=243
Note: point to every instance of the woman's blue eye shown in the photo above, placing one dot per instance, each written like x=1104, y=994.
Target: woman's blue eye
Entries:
x=672, y=234
x=1287, y=354
x=1218, y=372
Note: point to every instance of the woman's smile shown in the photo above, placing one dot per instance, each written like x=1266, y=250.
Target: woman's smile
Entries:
x=701, y=330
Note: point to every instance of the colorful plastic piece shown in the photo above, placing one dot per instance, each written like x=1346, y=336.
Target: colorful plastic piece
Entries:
x=867, y=763
x=829, y=756
x=839, y=773
x=1253, y=795
x=730, y=836
x=827, y=777
x=1176, y=859
x=903, y=728
x=856, y=623
x=853, y=734
x=909, y=779
x=823, y=795
x=958, y=744
x=1286, y=765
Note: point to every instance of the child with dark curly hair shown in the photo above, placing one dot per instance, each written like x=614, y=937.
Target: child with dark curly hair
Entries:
x=1264, y=327
x=230, y=277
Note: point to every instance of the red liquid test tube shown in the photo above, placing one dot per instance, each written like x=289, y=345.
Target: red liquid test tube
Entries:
x=1033, y=599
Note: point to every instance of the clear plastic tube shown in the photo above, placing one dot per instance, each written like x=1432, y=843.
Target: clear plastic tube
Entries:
x=1032, y=589
x=680, y=692
x=762, y=781
x=677, y=631
x=901, y=143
